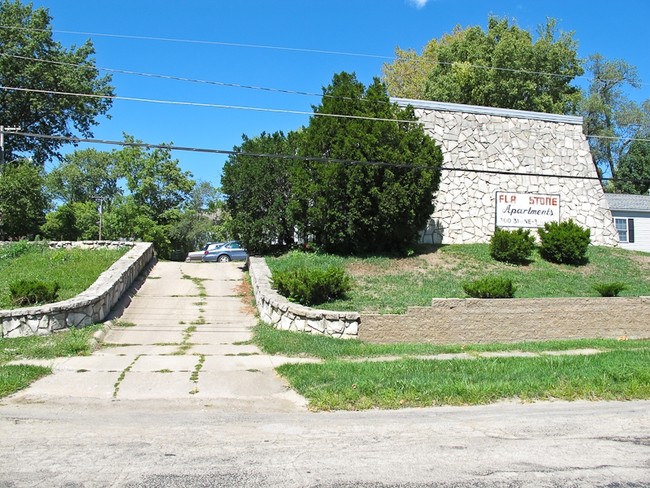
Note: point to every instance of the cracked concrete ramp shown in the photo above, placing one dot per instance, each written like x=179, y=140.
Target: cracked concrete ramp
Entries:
x=182, y=333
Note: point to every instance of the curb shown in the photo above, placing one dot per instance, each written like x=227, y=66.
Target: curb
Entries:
x=98, y=337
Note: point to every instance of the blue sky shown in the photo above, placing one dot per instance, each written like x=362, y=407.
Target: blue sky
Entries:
x=367, y=31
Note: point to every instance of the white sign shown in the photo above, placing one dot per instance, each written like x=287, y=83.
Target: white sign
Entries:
x=526, y=209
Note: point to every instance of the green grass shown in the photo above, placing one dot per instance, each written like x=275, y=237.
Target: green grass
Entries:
x=405, y=379
x=340, y=385
x=73, y=269
x=14, y=378
x=390, y=285
x=281, y=342
x=75, y=342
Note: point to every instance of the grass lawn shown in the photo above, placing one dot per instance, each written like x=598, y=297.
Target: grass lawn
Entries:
x=620, y=372
x=73, y=269
x=390, y=285
x=75, y=342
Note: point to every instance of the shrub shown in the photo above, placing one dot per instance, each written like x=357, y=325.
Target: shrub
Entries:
x=32, y=292
x=312, y=286
x=512, y=246
x=490, y=287
x=18, y=248
x=610, y=289
x=564, y=243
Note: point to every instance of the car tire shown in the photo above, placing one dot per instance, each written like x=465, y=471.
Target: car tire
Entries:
x=224, y=258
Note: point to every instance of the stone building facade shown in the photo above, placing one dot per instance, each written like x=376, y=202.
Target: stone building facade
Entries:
x=490, y=151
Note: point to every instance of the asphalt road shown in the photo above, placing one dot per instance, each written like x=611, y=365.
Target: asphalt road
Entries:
x=193, y=444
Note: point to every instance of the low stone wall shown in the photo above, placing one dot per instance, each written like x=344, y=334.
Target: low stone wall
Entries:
x=473, y=321
x=87, y=308
x=279, y=312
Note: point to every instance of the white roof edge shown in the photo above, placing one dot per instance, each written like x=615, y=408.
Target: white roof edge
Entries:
x=480, y=110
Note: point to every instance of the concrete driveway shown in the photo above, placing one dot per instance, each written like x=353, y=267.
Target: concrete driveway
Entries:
x=181, y=333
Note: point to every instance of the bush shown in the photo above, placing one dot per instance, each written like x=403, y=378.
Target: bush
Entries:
x=513, y=246
x=312, y=286
x=564, y=243
x=32, y=292
x=610, y=289
x=490, y=287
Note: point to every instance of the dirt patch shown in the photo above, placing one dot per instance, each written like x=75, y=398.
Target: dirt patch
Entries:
x=642, y=259
x=248, y=298
x=421, y=263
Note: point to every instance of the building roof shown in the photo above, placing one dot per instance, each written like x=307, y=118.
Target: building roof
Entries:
x=480, y=110
x=634, y=203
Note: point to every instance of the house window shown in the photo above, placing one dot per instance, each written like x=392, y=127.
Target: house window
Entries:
x=621, y=227
x=625, y=229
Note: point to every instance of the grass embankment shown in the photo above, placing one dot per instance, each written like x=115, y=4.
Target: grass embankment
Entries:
x=390, y=285
x=73, y=269
x=343, y=382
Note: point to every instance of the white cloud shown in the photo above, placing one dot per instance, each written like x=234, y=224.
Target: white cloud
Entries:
x=418, y=4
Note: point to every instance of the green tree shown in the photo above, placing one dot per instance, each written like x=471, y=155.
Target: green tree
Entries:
x=504, y=67
x=611, y=119
x=85, y=175
x=203, y=220
x=157, y=194
x=154, y=180
x=356, y=208
x=633, y=172
x=61, y=224
x=72, y=221
x=259, y=191
x=23, y=201
x=32, y=60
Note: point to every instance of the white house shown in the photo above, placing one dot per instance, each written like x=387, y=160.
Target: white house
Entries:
x=631, y=215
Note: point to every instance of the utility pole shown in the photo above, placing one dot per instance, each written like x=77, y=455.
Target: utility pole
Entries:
x=101, y=208
x=4, y=129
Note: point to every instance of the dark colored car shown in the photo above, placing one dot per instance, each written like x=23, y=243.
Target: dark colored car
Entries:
x=230, y=251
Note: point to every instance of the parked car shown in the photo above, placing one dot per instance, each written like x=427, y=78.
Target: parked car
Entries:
x=198, y=255
x=230, y=251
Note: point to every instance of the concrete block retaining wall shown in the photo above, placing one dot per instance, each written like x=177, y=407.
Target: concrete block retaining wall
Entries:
x=87, y=308
x=472, y=321
x=279, y=312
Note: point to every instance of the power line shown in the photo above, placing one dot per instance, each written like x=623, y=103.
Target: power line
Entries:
x=196, y=41
x=315, y=159
x=304, y=50
x=170, y=77
x=207, y=105
x=260, y=109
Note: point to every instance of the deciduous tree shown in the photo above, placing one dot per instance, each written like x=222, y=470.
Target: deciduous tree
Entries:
x=30, y=59
x=23, y=201
x=85, y=175
x=504, y=67
x=612, y=120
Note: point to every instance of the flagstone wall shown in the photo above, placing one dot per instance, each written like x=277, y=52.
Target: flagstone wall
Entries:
x=488, y=150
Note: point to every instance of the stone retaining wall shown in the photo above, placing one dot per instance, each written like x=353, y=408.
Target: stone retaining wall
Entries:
x=473, y=321
x=279, y=312
x=87, y=308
